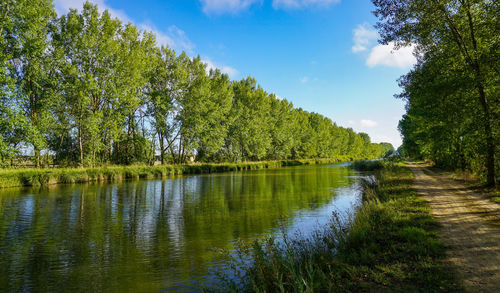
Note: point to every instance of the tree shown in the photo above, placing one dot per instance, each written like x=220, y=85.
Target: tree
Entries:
x=90, y=45
x=249, y=137
x=8, y=113
x=304, y=134
x=92, y=91
x=209, y=114
x=204, y=106
x=132, y=63
x=25, y=41
x=436, y=95
x=468, y=31
x=386, y=148
x=282, y=129
x=165, y=85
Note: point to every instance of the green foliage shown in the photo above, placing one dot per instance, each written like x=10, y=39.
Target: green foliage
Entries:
x=453, y=104
x=24, y=80
x=388, y=246
x=248, y=137
x=367, y=165
x=83, y=89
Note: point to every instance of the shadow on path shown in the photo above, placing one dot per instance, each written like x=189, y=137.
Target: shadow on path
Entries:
x=469, y=226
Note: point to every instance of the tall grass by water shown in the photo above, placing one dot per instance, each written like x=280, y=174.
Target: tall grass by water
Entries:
x=389, y=245
x=44, y=177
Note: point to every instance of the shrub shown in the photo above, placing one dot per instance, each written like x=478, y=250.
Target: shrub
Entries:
x=367, y=165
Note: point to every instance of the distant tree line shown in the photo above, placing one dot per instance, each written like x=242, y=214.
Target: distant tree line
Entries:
x=89, y=90
x=452, y=95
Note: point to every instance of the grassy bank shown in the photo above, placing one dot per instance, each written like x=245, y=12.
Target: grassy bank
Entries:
x=390, y=245
x=43, y=177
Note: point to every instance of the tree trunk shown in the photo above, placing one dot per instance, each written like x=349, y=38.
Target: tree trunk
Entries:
x=180, y=149
x=59, y=149
x=37, y=157
x=490, y=142
x=162, y=149
x=80, y=145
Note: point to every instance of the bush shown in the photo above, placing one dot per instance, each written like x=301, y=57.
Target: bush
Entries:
x=367, y=165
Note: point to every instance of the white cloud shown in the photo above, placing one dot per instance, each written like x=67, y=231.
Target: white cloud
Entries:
x=63, y=6
x=386, y=55
x=364, y=36
x=173, y=36
x=296, y=4
x=304, y=79
x=368, y=123
x=230, y=71
x=218, y=7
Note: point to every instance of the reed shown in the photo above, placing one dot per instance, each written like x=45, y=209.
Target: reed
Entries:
x=44, y=177
x=388, y=245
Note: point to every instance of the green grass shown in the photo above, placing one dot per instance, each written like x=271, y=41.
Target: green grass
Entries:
x=494, y=194
x=389, y=246
x=44, y=177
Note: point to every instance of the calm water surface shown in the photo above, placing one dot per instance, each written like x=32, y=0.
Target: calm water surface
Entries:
x=156, y=235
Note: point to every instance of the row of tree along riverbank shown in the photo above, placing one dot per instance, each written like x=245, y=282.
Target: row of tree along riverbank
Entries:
x=45, y=177
x=452, y=94
x=389, y=244
x=84, y=89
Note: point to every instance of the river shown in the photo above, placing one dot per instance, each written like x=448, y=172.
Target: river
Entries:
x=157, y=235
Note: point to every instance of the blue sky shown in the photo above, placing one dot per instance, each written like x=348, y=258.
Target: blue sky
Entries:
x=322, y=55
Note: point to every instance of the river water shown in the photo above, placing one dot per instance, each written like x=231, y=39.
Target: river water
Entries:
x=157, y=235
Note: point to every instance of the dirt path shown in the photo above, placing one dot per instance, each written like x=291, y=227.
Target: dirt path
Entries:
x=469, y=226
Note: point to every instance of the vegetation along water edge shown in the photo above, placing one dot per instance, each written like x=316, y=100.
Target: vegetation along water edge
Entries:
x=389, y=244
x=43, y=177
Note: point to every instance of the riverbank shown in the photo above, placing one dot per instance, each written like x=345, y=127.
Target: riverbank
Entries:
x=45, y=177
x=390, y=245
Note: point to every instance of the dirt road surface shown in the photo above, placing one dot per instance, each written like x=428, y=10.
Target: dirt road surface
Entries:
x=469, y=226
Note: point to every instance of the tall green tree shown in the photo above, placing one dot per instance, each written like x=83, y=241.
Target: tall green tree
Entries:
x=302, y=131
x=249, y=137
x=26, y=45
x=91, y=90
x=165, y=84
x=282, y=129
x=90, y=44
x=468, y=31
x=436, y=95
x=210, y=103
x=134, y=59
x=7, y=111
